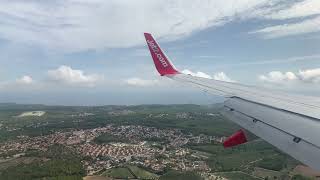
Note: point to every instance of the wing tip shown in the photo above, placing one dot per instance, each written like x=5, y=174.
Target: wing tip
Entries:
x=162, y=63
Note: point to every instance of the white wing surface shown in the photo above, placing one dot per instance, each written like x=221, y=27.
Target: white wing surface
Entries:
x=289, y=122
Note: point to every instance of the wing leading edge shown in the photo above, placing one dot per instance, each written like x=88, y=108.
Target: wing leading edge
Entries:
x=289, y=122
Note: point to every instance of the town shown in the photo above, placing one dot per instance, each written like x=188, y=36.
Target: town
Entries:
x=148, y=147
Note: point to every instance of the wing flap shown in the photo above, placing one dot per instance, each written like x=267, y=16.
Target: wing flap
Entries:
x=299, y=148
x=291, y=123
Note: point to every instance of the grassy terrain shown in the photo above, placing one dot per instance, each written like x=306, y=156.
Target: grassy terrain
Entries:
x=57, y=163
x=237, y=176
x=95, y=178
x=176, y=175
x=141, y=173
x=260, y=172
x=109, y=138
x=50, y=170
x=16, y=161
x=240, y=157
x=300, y=177
x=118, y=173
x=231, y=162
x=129, y=172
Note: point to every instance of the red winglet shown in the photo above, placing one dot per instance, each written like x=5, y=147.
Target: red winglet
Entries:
x=160, y=60
x=237, y=138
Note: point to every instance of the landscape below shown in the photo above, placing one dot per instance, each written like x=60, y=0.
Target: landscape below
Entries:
x=131, y=142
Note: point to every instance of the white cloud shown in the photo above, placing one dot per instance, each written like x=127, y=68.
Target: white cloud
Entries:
x=141, y=82
x=303, y=15
x=278, y=77
x=302, y=27
x=24, y=80
x=75, y=25
x=298, y=10
x=197, y=74
x=313, y=57
x=303, y=76
x=310, y=75
x=220, y=76
x=67, y=75
x=23, y=83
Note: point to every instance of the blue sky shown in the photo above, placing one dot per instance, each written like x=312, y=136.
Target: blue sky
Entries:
x=78, y=52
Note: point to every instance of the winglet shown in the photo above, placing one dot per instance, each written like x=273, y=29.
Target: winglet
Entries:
x=162, y=63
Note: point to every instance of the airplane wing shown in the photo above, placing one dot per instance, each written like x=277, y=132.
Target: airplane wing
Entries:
x=289, y=122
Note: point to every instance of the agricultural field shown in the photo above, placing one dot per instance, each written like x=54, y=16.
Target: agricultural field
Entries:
x=129, y=172
x=141, y=173
x=260, y=172
x=96, y=178
x=119, y=173
x=237, y=175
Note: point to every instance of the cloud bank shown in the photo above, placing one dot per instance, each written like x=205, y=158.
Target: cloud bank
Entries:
x=25, y=80
x=220, y=76
x=141, y=82
x=78, y=25
x=302, y=27
x=303, y=76
x=67, y=75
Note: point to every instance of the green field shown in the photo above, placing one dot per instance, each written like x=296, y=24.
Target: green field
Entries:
x=176, y=175
x=57, y=163
x=238, y=158
x=129, y=172
x=118, y=173
x=237, y=176
x=52, y=169
x=109, y=138
x=141, y=173
x=16, y=161
x=260, y=172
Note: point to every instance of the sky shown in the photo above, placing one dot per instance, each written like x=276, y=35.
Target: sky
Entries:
x=93, y=52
